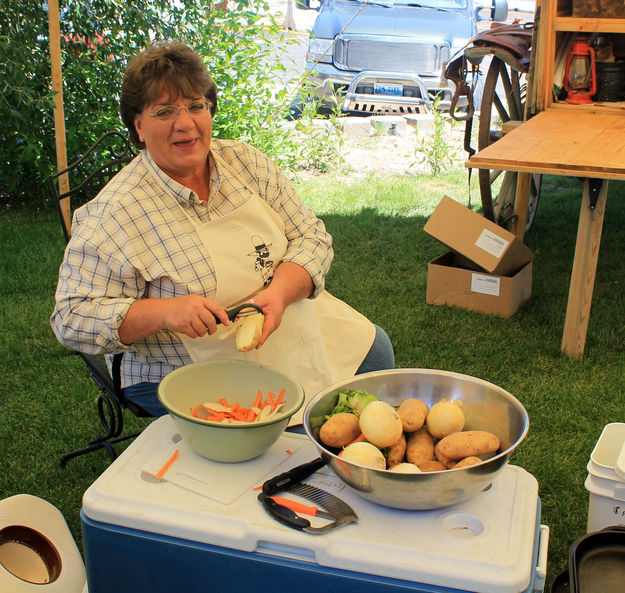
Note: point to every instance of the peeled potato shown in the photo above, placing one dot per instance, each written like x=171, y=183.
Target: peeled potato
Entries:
x=405, y=468
x=250, y=329
x=364, y=453
x=445, y=418
x=381, y=424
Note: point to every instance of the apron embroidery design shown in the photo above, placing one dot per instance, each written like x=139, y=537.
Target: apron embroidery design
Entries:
x=262, y=263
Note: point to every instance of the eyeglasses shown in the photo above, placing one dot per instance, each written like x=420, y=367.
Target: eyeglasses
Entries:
x=170, y=113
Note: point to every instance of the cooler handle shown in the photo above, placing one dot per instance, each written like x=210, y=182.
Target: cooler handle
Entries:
x=541, y=562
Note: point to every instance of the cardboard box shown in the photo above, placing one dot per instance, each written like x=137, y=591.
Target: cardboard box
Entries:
x=488, y=269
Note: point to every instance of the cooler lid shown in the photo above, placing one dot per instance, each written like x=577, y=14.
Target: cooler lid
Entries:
x=483, y=545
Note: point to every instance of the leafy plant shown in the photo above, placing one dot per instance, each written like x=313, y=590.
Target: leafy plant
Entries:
x=97, y=38
x=436, y=150
x=379, y=127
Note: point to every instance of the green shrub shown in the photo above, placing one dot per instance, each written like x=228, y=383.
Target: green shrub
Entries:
x=239, y=45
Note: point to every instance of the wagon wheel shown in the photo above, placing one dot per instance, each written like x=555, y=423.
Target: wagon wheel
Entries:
x=503, y=100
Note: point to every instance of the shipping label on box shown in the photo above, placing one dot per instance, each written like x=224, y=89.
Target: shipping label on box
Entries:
x=483, y=284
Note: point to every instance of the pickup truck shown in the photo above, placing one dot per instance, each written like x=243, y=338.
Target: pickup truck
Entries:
x=388, y=56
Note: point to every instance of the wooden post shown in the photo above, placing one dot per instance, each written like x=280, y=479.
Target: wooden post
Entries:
x=54, y=35
x=523, y=184
x=584, y=269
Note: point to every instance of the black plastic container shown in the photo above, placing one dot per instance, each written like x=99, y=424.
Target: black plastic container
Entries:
x=561, y=583
x=597, y=562
x=610, y=82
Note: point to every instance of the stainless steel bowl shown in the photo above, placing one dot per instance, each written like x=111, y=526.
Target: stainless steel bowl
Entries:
x=486, y=407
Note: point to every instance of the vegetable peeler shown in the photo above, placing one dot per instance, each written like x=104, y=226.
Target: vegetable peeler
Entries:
x=292, y=477
x=241, y=311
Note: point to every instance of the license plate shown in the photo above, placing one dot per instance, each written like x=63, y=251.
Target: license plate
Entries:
x=388, y=88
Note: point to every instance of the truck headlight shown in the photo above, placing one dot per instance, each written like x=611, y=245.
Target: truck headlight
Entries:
x=320, y=50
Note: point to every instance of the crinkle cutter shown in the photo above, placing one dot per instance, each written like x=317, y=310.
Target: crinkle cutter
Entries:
x=289, y=512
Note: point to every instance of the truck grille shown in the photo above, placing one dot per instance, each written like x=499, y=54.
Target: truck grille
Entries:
x=390, y=54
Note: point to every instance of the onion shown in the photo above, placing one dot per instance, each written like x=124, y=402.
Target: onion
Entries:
x=444, y=418
x=381, y=424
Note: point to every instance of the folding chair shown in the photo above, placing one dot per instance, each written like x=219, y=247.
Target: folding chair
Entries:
x=89, y=175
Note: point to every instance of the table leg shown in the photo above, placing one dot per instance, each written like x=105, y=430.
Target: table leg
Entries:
x=520, y=204
x=584, y=269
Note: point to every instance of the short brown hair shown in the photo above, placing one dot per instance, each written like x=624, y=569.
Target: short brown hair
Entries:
x=172, y=67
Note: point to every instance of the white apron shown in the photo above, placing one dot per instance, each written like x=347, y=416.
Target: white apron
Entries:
x=319, y=342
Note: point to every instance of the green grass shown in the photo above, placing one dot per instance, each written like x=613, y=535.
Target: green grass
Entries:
x=47, y=401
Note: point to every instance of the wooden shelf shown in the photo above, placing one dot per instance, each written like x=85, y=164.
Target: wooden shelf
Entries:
x=561, y=142
x=617, y=107
x=589, y=25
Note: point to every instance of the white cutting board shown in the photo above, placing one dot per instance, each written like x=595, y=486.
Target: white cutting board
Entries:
x=221, y=482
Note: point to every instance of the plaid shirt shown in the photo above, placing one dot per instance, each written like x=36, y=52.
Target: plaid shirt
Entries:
x=133, y=241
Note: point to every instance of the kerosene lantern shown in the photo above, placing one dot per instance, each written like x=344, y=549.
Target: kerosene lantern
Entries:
x=580, y=78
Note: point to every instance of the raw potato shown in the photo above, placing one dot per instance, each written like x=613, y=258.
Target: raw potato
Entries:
x=466, y=444
x=405, y=468
x=381, y=424
x=250, y=329
x=339, y=430
x=432, y=466
x=396, y=452
x=412, y=413
x=419, y=447
x=364, y=453
x=445, y=418
x=467, y=461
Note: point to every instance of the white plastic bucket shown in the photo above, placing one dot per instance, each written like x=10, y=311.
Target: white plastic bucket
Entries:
x=606, y=479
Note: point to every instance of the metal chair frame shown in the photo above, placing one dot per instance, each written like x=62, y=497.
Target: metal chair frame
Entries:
x=95, y=172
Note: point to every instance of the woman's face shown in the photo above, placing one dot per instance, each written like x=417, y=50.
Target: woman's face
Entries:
x=180, y=146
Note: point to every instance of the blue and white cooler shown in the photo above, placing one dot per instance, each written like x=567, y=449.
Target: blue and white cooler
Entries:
x=199, y=527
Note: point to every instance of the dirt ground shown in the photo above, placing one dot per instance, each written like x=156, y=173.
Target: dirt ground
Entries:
x=389, y=154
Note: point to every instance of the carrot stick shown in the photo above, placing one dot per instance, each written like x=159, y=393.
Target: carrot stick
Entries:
x=258, y=399
x=360, y=438
x=161, y=472
x=280, y=396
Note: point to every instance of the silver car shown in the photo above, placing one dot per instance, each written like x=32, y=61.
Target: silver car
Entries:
x=388, y=57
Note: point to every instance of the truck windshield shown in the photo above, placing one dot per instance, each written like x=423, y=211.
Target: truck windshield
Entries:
x=439, y=4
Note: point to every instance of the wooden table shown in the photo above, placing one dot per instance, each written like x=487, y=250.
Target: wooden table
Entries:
x=581, y=142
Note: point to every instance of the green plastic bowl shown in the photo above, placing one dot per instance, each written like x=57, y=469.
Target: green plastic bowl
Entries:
x=237, y=381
